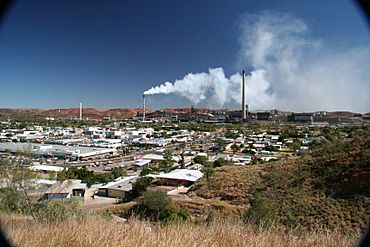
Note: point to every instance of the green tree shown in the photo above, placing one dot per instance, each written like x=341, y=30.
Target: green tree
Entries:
x=18, y=179
x=10, y=199
x=235, y=148
x=221, y=143
x=89, y=177
x=119, y=172
x=200, y=160
x=208, y=172
x=230, y=134
x=182, y=161
x=166, y=164
x=222, y=162
x=296, y=144
x=145, y=171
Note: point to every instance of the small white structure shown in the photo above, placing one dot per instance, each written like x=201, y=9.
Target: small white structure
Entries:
x=142, y=163
x=46, y=168
x=179, y=177
x=202, y=154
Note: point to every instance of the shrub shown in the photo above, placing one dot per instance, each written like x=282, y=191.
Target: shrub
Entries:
x=9, y=199
x=261, y=212
x=145, y=171
x=235, y=148
x=208, y=172
x=222, y=162
x=54, y=211
x=156, y=206
x=200, y=160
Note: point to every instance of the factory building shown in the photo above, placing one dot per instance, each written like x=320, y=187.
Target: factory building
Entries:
x=58, y=151
x=301, y=117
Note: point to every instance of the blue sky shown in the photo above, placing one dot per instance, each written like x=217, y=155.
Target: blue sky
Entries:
x=54, y=54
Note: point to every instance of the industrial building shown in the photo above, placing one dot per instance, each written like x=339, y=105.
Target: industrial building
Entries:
x=301, y=117
x=58, y=151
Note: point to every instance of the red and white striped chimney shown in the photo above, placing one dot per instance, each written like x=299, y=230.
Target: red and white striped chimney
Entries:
x=144, y=109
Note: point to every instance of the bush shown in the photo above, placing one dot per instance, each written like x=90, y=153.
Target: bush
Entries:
x=54, y=211
x=145, y=171
x=261, y=212
x=9, y=199
x=208, y=172
x=235, y=148
x=222, y=162
x=200, y=160
x=156, y=206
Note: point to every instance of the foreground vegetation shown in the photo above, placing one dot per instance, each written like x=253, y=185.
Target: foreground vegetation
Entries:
x=95, y=231
x=327, y=189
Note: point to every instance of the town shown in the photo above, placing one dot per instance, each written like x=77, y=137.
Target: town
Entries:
x=184, y=123
x=168, y=151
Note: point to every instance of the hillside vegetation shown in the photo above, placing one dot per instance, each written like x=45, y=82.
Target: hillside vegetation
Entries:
x=328, y=189
x=95, y=231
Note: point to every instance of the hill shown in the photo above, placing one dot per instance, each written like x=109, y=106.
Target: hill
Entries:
x=330, y=188
x=117, y=113
x=91, y=113
x=95, y=231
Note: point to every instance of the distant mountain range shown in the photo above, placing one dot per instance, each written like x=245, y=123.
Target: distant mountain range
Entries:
x=90, y=113
x=117, y=113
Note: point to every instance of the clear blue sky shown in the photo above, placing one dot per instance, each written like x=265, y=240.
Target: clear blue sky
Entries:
x=54, y=54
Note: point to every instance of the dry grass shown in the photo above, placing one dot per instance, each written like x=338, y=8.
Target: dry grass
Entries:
x=95, y=231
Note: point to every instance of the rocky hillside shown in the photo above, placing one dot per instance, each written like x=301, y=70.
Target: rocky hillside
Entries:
x=330, y=188
x=91, y=113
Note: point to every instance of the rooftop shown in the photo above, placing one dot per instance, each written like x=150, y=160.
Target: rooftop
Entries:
x=124, y=183
x=45, y=149
x=66, y=186
x=180, y=174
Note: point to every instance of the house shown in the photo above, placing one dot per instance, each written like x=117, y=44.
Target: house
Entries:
x=242, y=160
x=142, y=163
x=159, y=157
x=178, y=177
x=68, y=189
x=121, y=187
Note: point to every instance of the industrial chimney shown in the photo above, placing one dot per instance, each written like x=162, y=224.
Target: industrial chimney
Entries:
x=80, y=111
x=144, y=109
x=244, y=112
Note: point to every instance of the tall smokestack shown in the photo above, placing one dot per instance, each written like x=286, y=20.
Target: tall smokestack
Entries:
x=244, y=113
x=144, y=109
x=80, y=110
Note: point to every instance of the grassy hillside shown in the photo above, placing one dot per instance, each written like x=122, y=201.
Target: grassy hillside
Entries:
x=94, y=231
x=330, y=188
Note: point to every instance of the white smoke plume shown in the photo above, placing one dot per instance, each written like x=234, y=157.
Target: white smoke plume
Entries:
x=292, y=71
